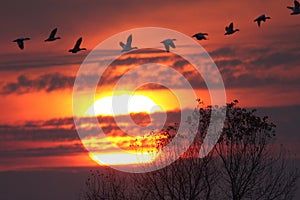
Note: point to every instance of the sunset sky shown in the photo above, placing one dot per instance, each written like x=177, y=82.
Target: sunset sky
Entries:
x=260, y=67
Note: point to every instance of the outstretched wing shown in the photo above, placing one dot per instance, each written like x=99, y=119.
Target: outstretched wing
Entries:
x=172, y=44
x=226, y=28
x=289, y=7
x=20, y=44
x=129, y=41
x=258, y=23
x=122, y=45
x=167, y=46
x=77, y=45
x=231, y=26
x=53, y=32
x=297, y=4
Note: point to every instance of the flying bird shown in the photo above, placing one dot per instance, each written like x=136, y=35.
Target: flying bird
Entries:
x=167, y=43
x=52, y=36
x=20, y=42
x=263, y=18
x=295, y=9
x=200, y=36
x=229, y=29
x=127, y=46
x=77, y=48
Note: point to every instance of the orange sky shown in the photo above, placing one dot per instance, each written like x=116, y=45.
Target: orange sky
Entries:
x=260, y=66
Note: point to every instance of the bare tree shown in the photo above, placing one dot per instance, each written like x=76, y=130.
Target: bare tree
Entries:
x=106, y=184
x=186, y=178
x=189, y=177
x=245, y=164
x=250, y=165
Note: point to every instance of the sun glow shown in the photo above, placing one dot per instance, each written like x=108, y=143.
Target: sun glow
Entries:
x=123, y=159
x=144, y=108
x=122, y=105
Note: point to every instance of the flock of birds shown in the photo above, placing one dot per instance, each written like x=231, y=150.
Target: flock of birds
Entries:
x=167, y=43
x=52, y=37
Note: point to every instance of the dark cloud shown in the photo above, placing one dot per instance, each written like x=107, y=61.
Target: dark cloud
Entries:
x=223, y=52
x=290, y=59
x=60, y=150
x=243, y=76
x=228, y=63
x=251, y=80
x=22, y=133
x=46, y=82
x=58, y=122
x=61, y=129
x=180, y=63
x=239, y=70
x=143, y=56
x=14, y=62
x=253, y=57
x=152, y=86
x=29, y=139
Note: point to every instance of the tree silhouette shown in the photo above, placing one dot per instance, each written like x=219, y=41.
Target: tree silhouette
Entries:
x=246, y=163
x=106, y=184
x=250, y=165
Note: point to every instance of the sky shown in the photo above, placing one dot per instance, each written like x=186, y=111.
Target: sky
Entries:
x=38, y=139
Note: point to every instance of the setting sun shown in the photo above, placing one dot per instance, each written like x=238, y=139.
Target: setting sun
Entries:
x=122, y=105
x=123, y=158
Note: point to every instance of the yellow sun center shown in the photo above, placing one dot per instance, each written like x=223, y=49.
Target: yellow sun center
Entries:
x=122, y=105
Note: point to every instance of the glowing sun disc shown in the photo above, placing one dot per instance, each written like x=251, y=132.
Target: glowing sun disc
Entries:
x=134, y=103
x=123, y=159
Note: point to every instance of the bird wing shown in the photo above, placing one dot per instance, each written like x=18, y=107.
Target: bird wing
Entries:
x=289, y=7
x=20, y=44
x=53, y=32
x=258, y=23
x=129, y=41
x=77, y=45
x=226, y=28
x=261, y=17
x=172, y=44
x=122, y=45
x=231, y=26
x=297, y=4
x=167, y=46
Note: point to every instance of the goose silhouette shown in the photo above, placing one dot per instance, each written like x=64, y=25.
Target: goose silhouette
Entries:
x=168, y=43
x=76, y=47
x=200, y=36
x=229, y=29
x=263, y=18
x=127, y=46
x=52, y=36
x=20, y=42
x=295, y=9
